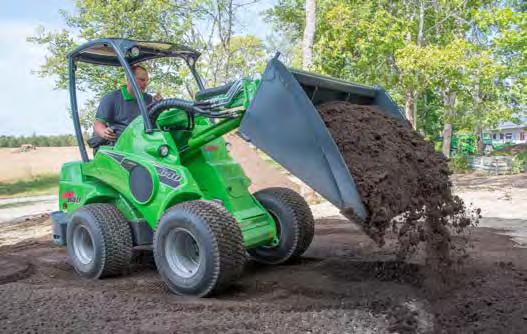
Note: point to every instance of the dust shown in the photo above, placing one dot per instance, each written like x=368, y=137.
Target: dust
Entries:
x=403, y=182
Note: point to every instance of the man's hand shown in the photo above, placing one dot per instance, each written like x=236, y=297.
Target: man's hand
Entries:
x=104, y=131
x=157, y=97
x=108, y=134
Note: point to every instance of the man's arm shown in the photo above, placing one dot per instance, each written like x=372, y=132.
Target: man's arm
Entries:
x=103, y=116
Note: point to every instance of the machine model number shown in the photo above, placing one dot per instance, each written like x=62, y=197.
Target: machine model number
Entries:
x=169, y=177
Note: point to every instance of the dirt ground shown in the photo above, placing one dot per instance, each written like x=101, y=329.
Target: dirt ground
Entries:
x=343, y=284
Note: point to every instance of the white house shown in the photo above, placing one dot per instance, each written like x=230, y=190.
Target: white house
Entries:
x=509, y=132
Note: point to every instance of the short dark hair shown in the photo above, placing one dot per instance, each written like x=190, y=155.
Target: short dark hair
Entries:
x=135, y=67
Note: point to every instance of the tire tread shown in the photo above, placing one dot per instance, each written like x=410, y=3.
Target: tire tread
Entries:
x=228, y=248
x=116, y=236
x=299, y=208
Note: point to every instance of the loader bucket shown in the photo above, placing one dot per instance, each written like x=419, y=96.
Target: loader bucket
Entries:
x=282, y=120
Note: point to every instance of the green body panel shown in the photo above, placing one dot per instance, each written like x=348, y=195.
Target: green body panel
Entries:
x=77, y=189
x=197, y=160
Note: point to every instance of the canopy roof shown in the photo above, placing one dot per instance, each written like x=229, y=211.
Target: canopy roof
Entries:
x=100, y=51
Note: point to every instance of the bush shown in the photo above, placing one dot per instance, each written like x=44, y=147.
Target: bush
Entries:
x=438, y=146
x=519, y=163
x=39, y=141
x=459, y=164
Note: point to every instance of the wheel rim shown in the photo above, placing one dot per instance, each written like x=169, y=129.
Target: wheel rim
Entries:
x=182, y=252
x=83, y=244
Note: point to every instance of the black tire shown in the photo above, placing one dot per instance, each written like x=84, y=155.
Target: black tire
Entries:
x=294, y=222
x=198, y=248
x=99, y=241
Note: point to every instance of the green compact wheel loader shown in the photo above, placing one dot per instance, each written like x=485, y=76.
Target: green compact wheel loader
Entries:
x=169, y=184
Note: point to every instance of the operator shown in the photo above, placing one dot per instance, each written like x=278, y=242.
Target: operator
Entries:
x=119, y=107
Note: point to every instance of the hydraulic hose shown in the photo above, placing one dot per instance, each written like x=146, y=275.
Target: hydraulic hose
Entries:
x=157, y=108
x=189, y=106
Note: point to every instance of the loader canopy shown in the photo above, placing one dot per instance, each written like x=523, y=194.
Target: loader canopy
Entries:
x=103, y=51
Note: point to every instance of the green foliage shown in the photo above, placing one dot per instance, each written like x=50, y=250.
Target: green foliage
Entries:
x=459, y=164
x=519, y=163
x=463, y=145
x=38, y=185
x=238, y=64
x=288, y=15
x=464, y=61
x=438, y=146
x=430, y=107
x=39, y=141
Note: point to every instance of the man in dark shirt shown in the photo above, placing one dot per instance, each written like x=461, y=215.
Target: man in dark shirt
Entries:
x=118, y=108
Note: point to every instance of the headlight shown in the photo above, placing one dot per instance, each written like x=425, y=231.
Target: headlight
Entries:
x=163, y=150
x=134, y=52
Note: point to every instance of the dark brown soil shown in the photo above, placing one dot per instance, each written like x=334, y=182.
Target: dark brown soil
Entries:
x=13, y=270
x=344, y=284
x=403, y=182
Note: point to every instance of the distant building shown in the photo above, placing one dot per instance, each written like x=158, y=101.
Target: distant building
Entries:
x=509, y=132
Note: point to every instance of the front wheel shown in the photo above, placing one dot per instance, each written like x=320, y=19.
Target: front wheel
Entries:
x=198, y=248
x=294, y=224
x=99, y=241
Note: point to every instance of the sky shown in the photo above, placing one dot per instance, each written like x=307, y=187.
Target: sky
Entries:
x=29, y=104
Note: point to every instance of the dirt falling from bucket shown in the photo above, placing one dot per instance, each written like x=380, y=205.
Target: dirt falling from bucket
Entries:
x=403, y=182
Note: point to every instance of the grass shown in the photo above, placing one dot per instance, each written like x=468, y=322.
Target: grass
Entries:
x=39, y=185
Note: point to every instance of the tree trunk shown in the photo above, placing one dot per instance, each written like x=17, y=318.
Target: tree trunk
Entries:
x=449, y=101
x=420, y=33
x=309, y=34
x=477, y=108
x=447, y=139
x=410, y=107
x=411, y=101
x=416, y=97
x=480, y=146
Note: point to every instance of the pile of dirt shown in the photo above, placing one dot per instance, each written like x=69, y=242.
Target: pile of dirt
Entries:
x=403, y=182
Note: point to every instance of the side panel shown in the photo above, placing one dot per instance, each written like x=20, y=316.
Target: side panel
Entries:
x=77, y=189
x=220, y=178
x=158, y=183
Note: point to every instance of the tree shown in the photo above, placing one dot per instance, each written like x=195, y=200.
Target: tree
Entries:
x=287, y=19
x=439, y=58
x=244, y=56
x=205, y=25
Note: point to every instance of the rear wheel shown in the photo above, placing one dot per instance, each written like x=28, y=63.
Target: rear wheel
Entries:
x=198, y=248
x=294, y=223
x=99, y=241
